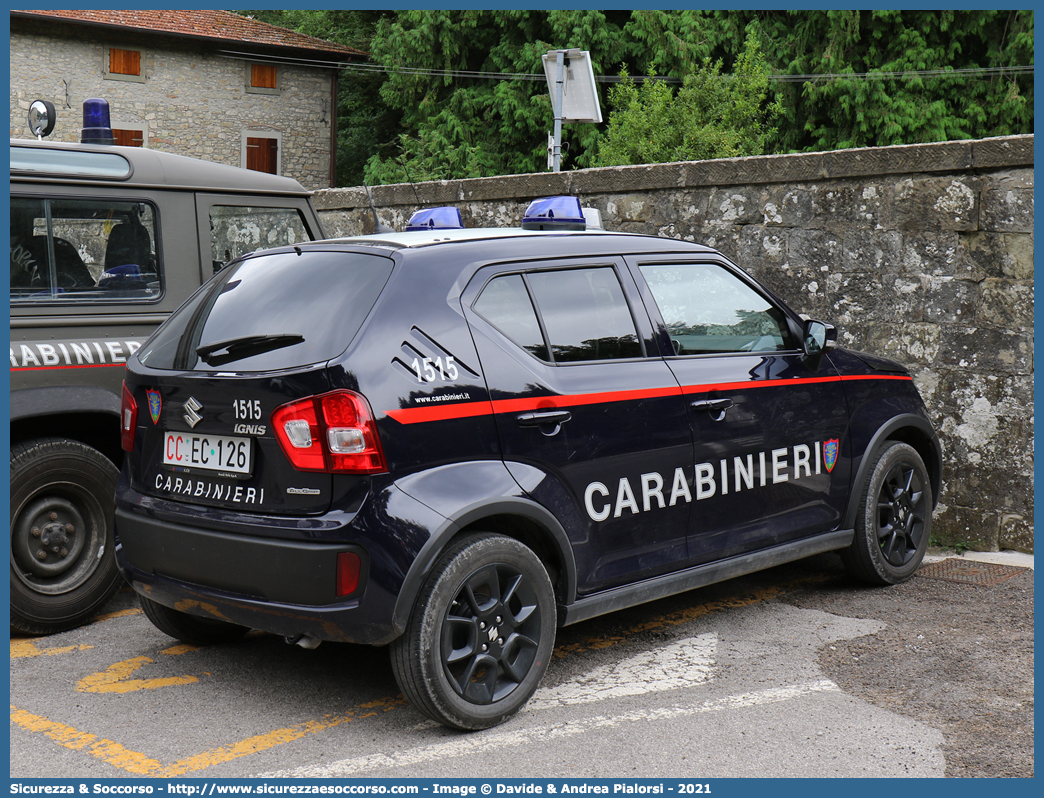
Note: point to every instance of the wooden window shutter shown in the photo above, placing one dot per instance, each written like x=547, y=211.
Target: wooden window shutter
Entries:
x=263, y=76
x=124, y=62
x=263, y=155
x=128, y=138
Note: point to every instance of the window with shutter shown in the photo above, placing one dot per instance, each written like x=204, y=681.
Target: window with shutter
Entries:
x=124, y=62
x=121, y=64
x=262, y=155
x=263, y=76
x=262, y=79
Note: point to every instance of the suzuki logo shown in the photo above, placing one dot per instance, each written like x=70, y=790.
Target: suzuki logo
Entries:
x=192, y=408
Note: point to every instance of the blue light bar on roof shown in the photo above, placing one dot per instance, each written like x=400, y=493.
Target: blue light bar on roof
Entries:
x=554, y=213
x=444, y=218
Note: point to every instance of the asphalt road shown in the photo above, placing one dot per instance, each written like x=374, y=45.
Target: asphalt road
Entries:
x=791, y=672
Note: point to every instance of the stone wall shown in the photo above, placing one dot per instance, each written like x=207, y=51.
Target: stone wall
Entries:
x=191, y=102
x=921, y=253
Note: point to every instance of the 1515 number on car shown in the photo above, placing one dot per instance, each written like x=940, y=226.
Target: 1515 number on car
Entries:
x=430, y=369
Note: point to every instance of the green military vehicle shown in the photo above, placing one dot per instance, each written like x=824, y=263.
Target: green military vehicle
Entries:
x=105, y=243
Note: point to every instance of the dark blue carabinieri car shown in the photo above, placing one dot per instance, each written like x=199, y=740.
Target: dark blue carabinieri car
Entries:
x=453, y=441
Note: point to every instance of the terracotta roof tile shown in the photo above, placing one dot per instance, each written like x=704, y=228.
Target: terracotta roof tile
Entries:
x=217, y=25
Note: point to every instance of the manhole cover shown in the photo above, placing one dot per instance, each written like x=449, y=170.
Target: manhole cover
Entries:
x=969, y=572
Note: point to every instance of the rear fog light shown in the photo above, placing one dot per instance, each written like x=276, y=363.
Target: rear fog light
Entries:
x=349, y=565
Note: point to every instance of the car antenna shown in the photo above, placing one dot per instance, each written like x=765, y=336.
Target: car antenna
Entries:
x=378, y=225
x=409, y=179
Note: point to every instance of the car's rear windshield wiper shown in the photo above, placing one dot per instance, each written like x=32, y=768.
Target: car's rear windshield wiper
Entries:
x=220, y=352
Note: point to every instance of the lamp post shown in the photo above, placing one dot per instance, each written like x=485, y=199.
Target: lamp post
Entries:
x=559, y=91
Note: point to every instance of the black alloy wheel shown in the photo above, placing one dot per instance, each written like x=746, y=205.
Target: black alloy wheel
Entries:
x=894, y=520
x=491, y=634
x=481, y=634
x=901, y=513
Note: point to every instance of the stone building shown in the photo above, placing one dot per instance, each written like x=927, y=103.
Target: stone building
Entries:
x=208, y=84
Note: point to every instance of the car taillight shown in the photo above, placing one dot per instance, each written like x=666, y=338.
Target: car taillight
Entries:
x=333, y=432
x=128, y=419
x=296, y=428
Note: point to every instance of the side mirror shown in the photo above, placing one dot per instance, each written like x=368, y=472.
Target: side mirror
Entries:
x=819, y=338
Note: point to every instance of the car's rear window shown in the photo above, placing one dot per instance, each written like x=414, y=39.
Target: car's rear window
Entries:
x=270, y=312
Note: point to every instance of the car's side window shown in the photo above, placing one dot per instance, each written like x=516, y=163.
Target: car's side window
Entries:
x=238, y=229
x=709, y=310
x=505, y=304
x=584, y=314
x=83, y=250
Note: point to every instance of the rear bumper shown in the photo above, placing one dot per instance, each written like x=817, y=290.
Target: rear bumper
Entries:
x=282, y=571
x=280, y=586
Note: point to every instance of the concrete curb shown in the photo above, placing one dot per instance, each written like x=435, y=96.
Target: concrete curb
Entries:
x=1016, y=558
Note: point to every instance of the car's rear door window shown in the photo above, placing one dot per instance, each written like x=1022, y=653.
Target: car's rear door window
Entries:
x=581, y=314
x=585, y=314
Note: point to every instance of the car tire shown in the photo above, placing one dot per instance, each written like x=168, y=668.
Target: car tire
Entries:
x=894, y=520
x=481, y=634
x=63, y=564
x=191, y=629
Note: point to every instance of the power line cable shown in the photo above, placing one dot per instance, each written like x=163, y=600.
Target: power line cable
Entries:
x=967, y=72
x=913, y=73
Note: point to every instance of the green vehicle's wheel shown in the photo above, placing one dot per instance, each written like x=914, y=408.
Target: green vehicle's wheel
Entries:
x=63, y=566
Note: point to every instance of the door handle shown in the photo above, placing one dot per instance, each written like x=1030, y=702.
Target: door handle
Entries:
x=541, y=417
x=549, y=421
x=717, y=407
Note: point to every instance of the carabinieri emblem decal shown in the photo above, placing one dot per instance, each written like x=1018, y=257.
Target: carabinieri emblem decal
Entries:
x=155, y=404
x=830, y=453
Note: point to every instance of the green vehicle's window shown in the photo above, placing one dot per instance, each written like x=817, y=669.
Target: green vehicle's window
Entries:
x=83, y=250
x=239, y=229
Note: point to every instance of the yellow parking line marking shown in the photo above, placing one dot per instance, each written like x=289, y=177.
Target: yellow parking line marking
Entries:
x=100, y=748
x=263, y=742
x=118, y=614
x=24, y=647
x=140, y=765
x=116, y=678
x=181, y=648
